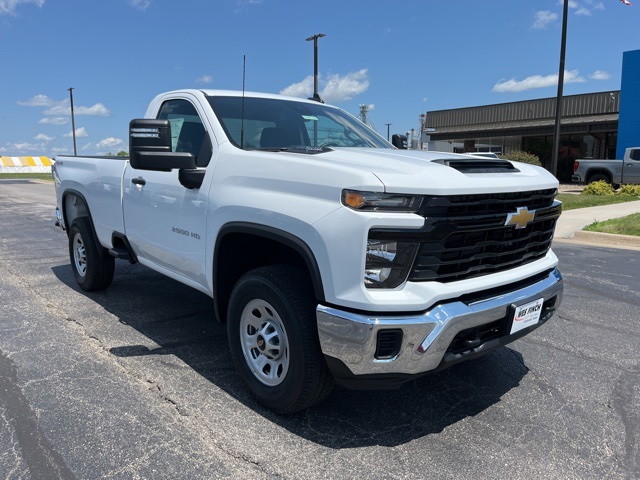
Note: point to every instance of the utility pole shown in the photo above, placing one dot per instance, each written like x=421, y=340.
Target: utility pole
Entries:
x=315, y=38
x=73, y=122
x=556, y=132
x=388, y=125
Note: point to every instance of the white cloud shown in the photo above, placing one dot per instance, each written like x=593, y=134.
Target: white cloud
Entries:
x=54, y=120
x=205, y=79
x=140, y=4
x=110, y=142
x=80, y=132
x=56, y=150
x=339, y=88
x=333, y=88
x=600, y=75
x=300, y=89
x=98, y=109
x=21, y=147
x=543, y=19
x=244, y=4
x=39, y=100
x=9, y=6
x=64, y=108
x=584, y=7
x=536, y=81
x=43, y=138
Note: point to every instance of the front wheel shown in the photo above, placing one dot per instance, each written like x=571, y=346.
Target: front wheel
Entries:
x=273, y=339
x=92, y=265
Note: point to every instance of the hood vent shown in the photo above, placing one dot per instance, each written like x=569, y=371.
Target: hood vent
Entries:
x=479, y=166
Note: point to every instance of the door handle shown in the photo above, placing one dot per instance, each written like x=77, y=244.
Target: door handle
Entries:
x=138, y=181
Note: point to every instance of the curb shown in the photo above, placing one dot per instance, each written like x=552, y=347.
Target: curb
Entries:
x=603, y=240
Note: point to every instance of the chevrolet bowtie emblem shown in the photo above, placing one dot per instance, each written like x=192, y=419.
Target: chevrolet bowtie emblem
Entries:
x=521, y=218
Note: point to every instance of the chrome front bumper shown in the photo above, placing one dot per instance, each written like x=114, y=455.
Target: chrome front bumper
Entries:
x=352, y=338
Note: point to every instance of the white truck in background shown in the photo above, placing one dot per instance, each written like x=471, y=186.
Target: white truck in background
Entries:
x=331, y=255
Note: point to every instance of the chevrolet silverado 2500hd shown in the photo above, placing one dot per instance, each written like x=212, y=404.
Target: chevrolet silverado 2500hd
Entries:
x=331, y=255
x=615, y=172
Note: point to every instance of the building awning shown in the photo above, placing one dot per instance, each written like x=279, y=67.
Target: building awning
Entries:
x=524, y=124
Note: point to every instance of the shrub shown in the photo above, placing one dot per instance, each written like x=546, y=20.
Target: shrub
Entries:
x=629, y=190
x=600, y=187
x=520, y=156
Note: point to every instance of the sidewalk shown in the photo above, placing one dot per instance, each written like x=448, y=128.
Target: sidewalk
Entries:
x=571, y=223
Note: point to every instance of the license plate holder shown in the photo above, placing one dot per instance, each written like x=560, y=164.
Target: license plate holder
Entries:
x=526, y=315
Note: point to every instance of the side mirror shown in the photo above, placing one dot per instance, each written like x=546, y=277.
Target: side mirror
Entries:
x=399, y=141
x=150, y=147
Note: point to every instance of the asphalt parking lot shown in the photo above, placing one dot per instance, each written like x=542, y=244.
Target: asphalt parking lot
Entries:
x=137, y=382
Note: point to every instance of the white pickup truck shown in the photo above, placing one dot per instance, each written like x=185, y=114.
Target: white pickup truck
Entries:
x=332, y=256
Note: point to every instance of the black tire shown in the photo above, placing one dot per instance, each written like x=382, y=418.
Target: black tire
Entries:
x=273, y=338
x=599, y=176
x=91, y=263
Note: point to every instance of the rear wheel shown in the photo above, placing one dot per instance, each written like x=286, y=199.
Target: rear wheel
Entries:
x=273, y=339
x=599, y=176
x=92, y=265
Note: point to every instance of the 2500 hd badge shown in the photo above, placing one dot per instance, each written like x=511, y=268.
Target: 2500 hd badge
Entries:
x=186, y=233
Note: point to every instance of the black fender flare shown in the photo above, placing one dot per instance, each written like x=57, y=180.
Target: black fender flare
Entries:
x=271, y=233
x=102, y=251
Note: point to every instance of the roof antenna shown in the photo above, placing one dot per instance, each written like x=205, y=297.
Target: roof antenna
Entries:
x=244, y=70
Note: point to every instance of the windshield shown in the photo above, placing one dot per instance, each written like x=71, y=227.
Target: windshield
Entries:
x=275, y=124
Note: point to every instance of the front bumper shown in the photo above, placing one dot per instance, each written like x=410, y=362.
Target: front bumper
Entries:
x=350, y=341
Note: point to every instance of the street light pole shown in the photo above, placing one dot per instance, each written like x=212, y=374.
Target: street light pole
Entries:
x=73, y=122
x=556, y=132
x=315, y=38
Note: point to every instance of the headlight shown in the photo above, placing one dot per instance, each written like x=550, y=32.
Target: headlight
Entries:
x=388, y=262
x=373, y=201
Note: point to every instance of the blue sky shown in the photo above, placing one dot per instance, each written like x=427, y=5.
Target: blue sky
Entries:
x=400, y=58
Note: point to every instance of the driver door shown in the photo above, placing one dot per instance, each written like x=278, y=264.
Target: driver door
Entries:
x=164, y=221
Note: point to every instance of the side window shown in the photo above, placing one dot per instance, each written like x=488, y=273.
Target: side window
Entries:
x=187, y=131
x=634, y=154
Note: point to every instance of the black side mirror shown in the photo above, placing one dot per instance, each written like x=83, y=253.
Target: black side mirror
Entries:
x=150, y=147
x=399, y=141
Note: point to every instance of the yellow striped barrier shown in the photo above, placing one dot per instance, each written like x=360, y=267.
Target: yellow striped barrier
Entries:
x=25, y=164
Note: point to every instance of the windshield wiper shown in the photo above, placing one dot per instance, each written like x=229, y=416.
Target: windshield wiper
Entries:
x=306, y=149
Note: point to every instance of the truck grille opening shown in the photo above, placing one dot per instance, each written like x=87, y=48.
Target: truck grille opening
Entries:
x=388, y=343
x=467, y=236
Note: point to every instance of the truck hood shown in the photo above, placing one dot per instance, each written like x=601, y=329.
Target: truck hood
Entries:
x=418, y=171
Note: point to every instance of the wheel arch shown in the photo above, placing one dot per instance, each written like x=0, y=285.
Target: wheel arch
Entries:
x=75, y=205
x=598, y=171
x=242, y=246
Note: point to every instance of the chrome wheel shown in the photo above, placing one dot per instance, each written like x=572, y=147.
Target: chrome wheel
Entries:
x=264, y=342
x=79, y=255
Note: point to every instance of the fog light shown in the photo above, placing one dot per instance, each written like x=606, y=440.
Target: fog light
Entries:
x=388, y=262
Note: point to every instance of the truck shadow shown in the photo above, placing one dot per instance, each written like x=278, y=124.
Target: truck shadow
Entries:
x=181, y=322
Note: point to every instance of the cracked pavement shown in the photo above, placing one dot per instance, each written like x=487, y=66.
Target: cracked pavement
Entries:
x=137, y=382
